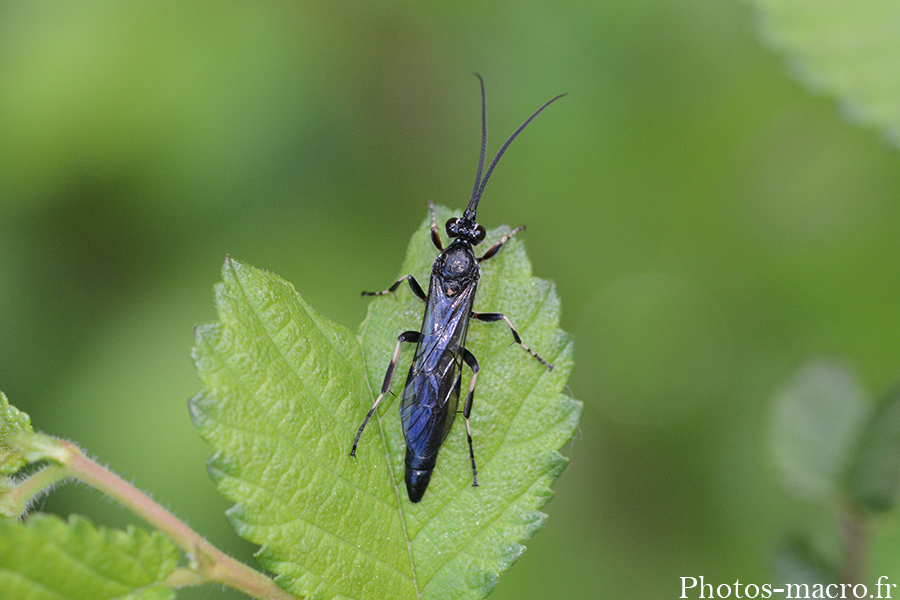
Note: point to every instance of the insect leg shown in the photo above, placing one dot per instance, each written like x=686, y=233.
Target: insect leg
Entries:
x=435, y=235
x=493, y=250
x=406, y=336
x=493, y=317
x=413, y=285
x=467, y=407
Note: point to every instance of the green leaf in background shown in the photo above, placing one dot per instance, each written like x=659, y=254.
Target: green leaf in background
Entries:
x=285, y=391
x=846, y=48
x=817, y=419
x=12, y=421
x=796, y=562
x=873, y=479
x=88, y=563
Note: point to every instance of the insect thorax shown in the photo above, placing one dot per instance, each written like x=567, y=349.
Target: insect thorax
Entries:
x=457, y=267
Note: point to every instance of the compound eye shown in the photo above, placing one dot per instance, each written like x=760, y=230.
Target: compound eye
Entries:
x=479, y=235
x=452, y=228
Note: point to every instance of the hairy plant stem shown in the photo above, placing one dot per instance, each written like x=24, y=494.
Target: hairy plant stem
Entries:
x=209, y=564
x=16, y=500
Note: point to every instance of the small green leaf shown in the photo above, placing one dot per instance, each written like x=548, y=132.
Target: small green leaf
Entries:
x=818, y=417
x=873, y=479
x=848, y=48
x=47, y=558
x=12, y=421
x=285, y=391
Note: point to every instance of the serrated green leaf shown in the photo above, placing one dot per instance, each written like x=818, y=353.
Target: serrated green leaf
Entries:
x=286, y=390
x=846, y=48
x=12, y=421
x=817, y=419
x=873, y=479
x=48, y=558
x=283, y=387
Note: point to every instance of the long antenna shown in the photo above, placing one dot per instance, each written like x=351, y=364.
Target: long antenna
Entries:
x=483, y=147
x=480, y=182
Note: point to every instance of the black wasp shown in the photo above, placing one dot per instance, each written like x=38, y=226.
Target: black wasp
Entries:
x=431, y=395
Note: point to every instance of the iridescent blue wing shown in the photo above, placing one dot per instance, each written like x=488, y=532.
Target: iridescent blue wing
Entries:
x=431, y=395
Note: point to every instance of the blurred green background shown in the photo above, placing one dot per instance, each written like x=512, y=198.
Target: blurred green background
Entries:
x=709, y=224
